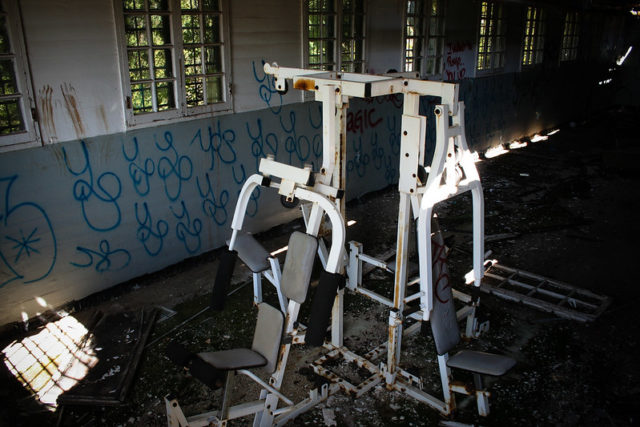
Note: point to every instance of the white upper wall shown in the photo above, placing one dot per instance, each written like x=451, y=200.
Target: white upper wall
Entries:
x=72, y=50
x=384, y=35
x=269, y=30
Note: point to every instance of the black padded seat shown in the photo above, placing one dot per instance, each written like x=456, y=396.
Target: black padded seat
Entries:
x=251, y=252
x=481, y=362
x=237, y=358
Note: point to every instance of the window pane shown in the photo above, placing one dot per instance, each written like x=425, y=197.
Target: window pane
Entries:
x=189, y=4
x=214, y=90
x=194, y=91
x=158, y=4
x=10, y=117
x=135, y=28
x=138, y=65
x=141, y=97
x=162, y=64
x=7, y=78
x=212, y=29
x=211, y=5
x=165, y=95
x=192, y=61
x=5, y=46
x=213, y=60
x=160, y=30
x=190, y=29
x=133, y=4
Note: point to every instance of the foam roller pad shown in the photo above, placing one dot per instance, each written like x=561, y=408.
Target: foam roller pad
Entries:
x=321, y=307
x=223, y=279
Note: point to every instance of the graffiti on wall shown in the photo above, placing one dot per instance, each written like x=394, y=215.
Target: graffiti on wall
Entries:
x=458, y=58
x=159, y=195
x=28, y=249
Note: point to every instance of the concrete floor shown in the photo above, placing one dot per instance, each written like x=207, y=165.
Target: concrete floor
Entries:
x=562, y=208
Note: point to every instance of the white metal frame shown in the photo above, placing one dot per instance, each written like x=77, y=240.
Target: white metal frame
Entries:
x=452, y=171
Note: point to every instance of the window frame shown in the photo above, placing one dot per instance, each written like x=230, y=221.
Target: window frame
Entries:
x=492, y=69
x=440, y=38
x=426, y=27
x=573, y=39
x=29, y=137
x=337, y=38
x=181, y=110
x=418, y=56
x=537, y=40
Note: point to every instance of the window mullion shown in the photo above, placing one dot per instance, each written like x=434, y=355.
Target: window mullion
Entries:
x=203, y=65
x=337, y=50
x=150, y=58
x=178, y=55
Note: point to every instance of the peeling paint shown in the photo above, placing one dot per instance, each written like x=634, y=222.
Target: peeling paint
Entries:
x=46, y=112
x=103, y=115
x=71, y=103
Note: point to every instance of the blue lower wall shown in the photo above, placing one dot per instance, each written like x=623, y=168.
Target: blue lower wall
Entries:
x=78, y=217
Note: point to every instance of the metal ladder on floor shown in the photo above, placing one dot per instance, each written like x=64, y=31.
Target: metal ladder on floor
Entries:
x=562, y=299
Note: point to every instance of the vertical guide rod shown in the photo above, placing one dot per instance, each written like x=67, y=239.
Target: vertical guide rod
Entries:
x=411, y=108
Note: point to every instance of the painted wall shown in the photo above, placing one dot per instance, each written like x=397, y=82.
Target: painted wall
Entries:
x=74, y=68
x=100, y=204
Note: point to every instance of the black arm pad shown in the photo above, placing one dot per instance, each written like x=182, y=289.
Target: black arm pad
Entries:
x=321, y=307
x=223, y=279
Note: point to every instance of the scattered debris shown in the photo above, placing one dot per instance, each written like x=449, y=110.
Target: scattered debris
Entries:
x=108, y=382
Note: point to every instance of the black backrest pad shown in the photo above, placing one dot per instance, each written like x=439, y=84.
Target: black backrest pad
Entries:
x=321, y=307
x=298, y=266
x=223, y=279
x=444, y=323
x=268, y=334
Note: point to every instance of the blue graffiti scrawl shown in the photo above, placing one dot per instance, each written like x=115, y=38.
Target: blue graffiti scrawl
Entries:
x=360, y=159
x=173, y=169
x=188, y=231
x=261, y=145
x=28, y=247
x=140, y=173
x=219, y=146
x=104, y=259
x=267, y=89
x=98, y=198
x=212, y=206
x=151, y=236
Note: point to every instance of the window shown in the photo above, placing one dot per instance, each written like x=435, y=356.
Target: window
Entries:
x=435, y=43
x=569, y=48
x=491, y=39
x=336, y=35
x=533, y=43
x=422, y=50
x=16, y=126
x=413, y=35
x=177, y=58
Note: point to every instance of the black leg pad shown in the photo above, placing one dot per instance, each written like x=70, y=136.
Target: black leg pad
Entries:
x=223, y=279
x=178, y=354
x=207, y=374
x=321, y=307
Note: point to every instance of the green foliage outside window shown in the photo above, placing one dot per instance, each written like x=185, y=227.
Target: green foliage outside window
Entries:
x=151, y=53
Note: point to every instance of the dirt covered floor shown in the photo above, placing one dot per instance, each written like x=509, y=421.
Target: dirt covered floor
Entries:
x=561, y=208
